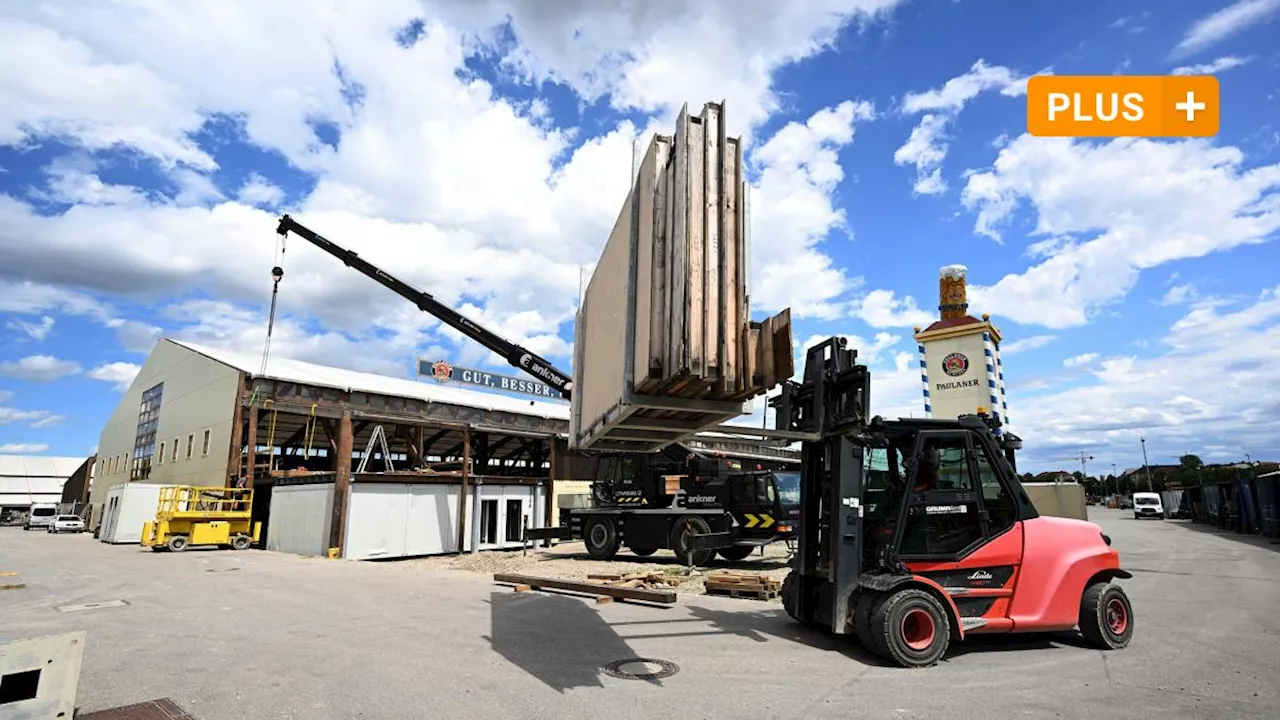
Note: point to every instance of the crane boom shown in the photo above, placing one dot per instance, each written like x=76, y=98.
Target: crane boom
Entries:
x=518, y=356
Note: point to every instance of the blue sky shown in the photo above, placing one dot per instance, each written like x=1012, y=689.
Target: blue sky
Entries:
x=481, y=151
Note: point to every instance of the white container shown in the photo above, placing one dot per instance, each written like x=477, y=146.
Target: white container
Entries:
x=127, y=507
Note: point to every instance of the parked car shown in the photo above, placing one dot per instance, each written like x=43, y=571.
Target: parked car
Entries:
x=67, y=523
x=40, y=516
x=1147, y=504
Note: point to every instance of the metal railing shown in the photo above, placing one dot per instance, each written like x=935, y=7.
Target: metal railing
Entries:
x=189, y=501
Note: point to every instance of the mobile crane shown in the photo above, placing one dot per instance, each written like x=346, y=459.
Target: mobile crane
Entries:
x=643, y=501
x=914, y=533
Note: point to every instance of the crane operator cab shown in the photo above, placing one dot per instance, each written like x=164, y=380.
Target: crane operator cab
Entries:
x=914, y=533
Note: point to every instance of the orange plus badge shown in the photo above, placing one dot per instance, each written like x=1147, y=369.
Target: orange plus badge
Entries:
x=1122, y=105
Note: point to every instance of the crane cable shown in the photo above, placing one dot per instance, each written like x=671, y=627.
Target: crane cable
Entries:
x=277, y=272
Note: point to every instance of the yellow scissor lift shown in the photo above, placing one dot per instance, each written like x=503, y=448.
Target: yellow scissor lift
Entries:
x=191, y=515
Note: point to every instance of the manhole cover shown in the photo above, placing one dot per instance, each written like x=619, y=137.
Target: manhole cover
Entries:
x=641, y=669
x=162, y=709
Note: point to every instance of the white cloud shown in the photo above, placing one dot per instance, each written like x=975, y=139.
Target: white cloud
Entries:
x=927, y=145
x=1081, y=360
x=121, y=374
x=1179, y=294
x=35, y=331
x=13, y=415
x=134, y=335
x=39, y=367
x=792, y=211
x=1031, y=343
x=883, y=309
x=654, y=60
x=260, y=191
x=23, y=448
x=1195, y=199
x=48, y=421
x=1213, y=386
x=1218, y=26
x=1223, y=63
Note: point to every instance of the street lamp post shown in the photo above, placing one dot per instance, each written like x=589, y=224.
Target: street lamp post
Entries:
x=1145, y=467
x=1115, y=476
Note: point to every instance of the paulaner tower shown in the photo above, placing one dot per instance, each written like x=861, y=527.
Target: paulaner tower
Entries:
x=960, y=357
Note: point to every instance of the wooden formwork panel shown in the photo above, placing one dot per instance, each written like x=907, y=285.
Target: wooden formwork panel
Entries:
x=667, y=313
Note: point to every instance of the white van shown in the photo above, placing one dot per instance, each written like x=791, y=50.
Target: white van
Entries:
x=1147, y=504
x=40, y=516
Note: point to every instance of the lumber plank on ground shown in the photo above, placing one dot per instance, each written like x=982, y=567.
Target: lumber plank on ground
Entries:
x=654, y=596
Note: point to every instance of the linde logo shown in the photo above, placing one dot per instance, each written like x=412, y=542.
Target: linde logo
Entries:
x=980, y=575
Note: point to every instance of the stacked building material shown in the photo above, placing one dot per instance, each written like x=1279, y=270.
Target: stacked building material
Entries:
x=694, y=335
x=666, y=315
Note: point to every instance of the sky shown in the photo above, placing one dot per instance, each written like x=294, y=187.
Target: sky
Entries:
x=481, y=149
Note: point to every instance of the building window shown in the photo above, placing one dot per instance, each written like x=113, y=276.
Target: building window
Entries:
x=191, y=441
x=160, y=455
x=144, y=444
x=204, y=448
x=174, y=457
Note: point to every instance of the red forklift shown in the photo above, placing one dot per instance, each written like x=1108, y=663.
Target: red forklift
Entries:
x=916, y=533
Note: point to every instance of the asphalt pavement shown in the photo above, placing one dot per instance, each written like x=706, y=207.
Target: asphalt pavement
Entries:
x=253, y=634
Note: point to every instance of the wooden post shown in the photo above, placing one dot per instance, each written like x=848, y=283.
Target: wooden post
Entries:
x=342, y=465
x=417, y=437
x=549, y=513
x=462, y=496
x=237, y=435
x=252, y=445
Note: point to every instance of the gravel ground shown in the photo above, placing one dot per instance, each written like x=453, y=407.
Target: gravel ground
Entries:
x=570, y=561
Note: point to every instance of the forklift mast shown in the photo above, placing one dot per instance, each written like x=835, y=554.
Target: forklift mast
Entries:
x=518, y=356
x=830, y=407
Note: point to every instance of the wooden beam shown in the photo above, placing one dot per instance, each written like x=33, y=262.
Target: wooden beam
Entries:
x=253, y=445
x=343, y=482
x=550, y=500
x=418, y=434
x=237, y=435
x=462, y=496
x=622, y=593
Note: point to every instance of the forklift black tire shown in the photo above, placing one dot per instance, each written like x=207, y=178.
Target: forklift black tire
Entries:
x=864, y=606
x=790, y=601
x=737, y=553
x=911, y=627
x=241, y=542
x=1106, y=617
x=643, y=552
x=177, y=543
x=600, y=536
x=685, y=526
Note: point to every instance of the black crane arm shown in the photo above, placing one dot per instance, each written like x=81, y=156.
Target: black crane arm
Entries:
x=518, y=356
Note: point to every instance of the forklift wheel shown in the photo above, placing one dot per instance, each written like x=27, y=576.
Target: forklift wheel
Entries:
x=864, y=606
x=1106, y=617
x=177, y=543
x=737, y=553
x=240, y=542
x=911, y=628
x=790, y=602
x=601, y=538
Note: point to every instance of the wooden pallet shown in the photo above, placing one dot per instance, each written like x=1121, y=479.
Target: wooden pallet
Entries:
x=741, y=591
x=740, y=585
